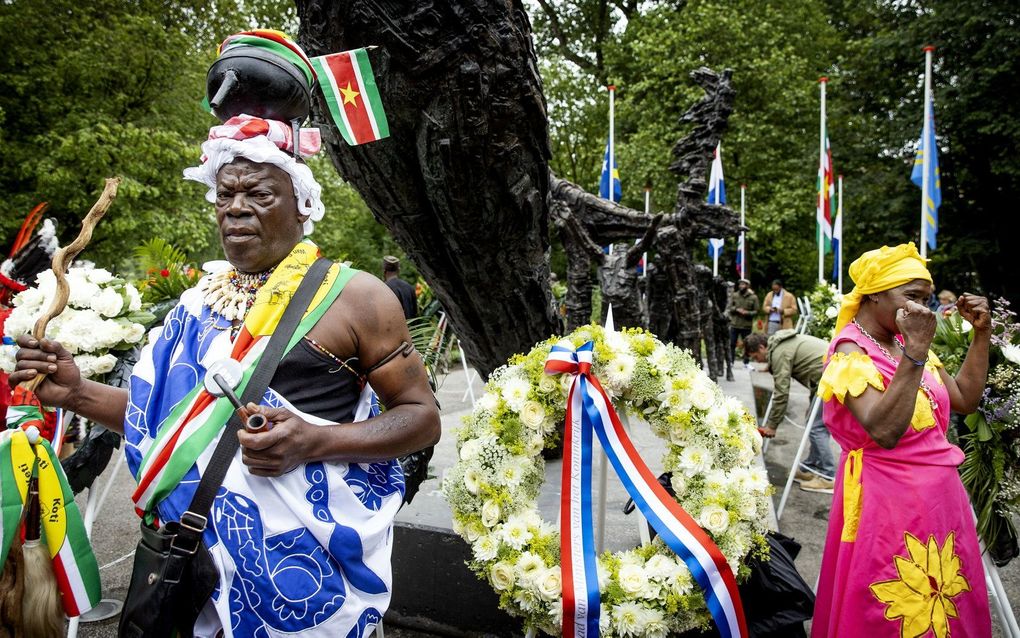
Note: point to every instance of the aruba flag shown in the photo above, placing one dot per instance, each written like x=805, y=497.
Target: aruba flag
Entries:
x=933, y=198
x=604, y=179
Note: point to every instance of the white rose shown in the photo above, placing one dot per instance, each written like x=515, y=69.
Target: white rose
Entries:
x=470, y=449
x=83, y=293
x=502, y=575
x=99, y=276
x=831, y=312
x=548, y=384
x=134, y=299
x=1012, y=353
x=105, y=363
x=486, y=547
x=7, y=360
x=549, y=584
x=132, y=332
x=714, y=518
x=633, y=579
x=679, y=483
x=533, y=415
x=534, y=447
x=701, y=394
x=473, y=531
x=30, y=298
x=490, y=513
x=108, y=303
x=515, y=393
x=473, y=480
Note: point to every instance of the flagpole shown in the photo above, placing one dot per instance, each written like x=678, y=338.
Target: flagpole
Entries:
x=648, y=211
x=715, y=249
x=839, y=248
x=926, y=152
x=612, y=141
x=819, y=213
x=743, y=248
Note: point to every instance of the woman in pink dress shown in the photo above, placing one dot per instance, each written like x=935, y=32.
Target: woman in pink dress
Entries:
x=901, y=557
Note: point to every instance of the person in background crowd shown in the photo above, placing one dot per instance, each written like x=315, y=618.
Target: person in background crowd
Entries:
x=403, y=290
x=797, y=356
x=779, y=307
x=743, y=308
x=947, y=303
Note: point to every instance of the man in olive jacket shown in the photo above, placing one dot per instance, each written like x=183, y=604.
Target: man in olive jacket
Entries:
x=797, y=356
x=743, y=308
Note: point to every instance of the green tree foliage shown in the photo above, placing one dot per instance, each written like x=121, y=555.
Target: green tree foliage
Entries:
x=91, y=90
x=871, y=52
x=877, y=110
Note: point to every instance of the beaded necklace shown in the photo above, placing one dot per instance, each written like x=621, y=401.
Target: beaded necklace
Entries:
x=924, y=384
x=231, y=294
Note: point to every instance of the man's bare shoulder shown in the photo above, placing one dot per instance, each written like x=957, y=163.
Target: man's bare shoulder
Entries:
x=366, y=319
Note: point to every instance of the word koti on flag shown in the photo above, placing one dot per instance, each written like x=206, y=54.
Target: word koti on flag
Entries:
x=352, y=96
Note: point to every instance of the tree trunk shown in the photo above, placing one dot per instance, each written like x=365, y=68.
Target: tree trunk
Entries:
x=461, y=182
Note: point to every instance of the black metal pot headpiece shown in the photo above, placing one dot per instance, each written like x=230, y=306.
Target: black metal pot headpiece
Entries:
x=257, y=82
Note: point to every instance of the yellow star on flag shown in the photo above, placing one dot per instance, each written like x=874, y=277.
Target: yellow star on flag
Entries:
x=350, y=95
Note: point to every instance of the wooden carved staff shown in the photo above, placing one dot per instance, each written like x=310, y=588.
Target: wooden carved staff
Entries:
x=42, y=613
x=63, y=258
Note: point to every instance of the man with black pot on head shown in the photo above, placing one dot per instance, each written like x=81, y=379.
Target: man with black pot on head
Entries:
x=300, y=531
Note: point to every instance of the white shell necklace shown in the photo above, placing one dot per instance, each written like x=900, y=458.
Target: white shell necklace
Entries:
x=924, y=384
x=231, y=293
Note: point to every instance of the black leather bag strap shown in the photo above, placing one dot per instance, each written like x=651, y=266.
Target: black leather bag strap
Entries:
x=194, y=520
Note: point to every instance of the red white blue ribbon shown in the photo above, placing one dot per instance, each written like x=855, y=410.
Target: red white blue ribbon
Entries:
x=590, y=411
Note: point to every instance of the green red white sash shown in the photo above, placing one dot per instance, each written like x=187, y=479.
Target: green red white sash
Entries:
x=197, y=420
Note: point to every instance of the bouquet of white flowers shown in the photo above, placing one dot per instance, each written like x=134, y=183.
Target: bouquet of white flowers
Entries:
x=104, y=314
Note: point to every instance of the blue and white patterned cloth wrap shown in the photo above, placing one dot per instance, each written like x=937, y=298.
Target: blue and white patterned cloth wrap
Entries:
x=305, y=553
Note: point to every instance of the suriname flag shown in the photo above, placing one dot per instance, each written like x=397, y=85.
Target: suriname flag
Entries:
x=352, y=96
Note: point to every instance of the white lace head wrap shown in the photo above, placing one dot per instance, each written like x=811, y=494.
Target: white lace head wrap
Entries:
x=223, y=147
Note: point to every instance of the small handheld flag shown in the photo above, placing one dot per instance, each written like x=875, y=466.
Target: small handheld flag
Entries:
x=348, y=84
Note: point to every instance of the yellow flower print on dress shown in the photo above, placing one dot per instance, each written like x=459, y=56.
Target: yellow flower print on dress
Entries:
x=929, y=577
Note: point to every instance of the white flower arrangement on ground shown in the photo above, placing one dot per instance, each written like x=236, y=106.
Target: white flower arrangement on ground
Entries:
x=104, y=314
x=711, y=444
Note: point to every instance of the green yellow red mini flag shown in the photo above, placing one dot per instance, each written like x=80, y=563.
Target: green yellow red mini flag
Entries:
x=352, y=96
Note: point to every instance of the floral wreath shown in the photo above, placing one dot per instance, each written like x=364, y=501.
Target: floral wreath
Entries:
x=711, y=446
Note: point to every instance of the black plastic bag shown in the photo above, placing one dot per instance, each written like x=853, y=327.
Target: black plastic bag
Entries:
x=776, y=599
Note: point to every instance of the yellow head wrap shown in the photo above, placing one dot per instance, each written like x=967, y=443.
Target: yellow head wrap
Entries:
x=878, y=270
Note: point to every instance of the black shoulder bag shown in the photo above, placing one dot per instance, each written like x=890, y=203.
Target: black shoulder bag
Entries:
x=174, y=575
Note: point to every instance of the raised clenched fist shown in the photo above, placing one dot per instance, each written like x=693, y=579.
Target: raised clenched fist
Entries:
x=917, y=325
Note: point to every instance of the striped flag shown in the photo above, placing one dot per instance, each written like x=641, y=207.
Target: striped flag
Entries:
x=826, y=195
x=933, y=198
x=352, y=96
x=13, y=490
x=716, y=196
x=74, y=563
x=837, y=240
